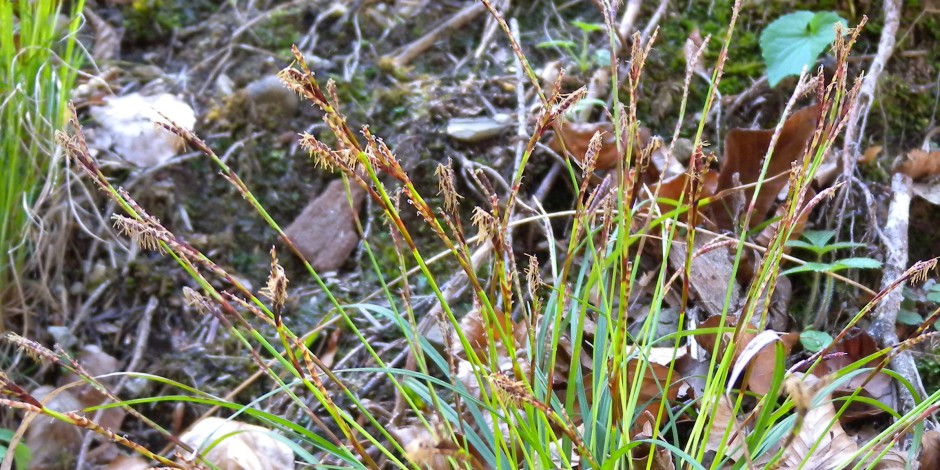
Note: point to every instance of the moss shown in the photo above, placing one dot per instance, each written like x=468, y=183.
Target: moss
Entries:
x=904, y=112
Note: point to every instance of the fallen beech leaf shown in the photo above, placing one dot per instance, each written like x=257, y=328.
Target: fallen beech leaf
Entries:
x=660, y=458
x=711, y=273
x=920, y=164
x=930, y=455
x=758, y=360
x=678, y=186
x=97, y=363
x=653, y=381
x=723, y=420
x=241, y=446
x=833, y=447
x=577, y=137
x=434, y=451
x=744, y=155
x=325, y=232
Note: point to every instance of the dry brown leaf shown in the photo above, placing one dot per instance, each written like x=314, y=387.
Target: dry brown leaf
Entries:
x=97, y=363
x=243, y=446
x=653, y=381
x=710, y=273
x=744, y=154
x=893, y=460
x=920, y=164
x=641, y=455
x=577, y=137
x=325, y=232
x=723, y=420
x=834, y=447
x=678, y=186
x=857, y=345
x=432, y=450
x=759, y=361
x=930, y=454
x=870, y=154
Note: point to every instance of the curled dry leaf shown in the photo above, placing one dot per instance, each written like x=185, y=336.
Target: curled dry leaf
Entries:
x=930, y=455
x=646, y=455
x=857, y=345
x=577, y=138
x=240, y=446
x=97, y=363
x=920, y=164
x=757, y=362
x=744, y=154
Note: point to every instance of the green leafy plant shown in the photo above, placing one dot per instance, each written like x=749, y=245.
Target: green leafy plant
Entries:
x=39, y=61
x=583, y=55
x=795, y=40
x=818, y=243
x=21, y=455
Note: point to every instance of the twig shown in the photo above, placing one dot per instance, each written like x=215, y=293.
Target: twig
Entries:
x=884, y=320
x=653, y=22
x=407, y=53
x=627, y=20
x=859, y=113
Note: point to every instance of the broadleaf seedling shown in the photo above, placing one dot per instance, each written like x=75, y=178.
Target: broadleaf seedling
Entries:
x=796, y=40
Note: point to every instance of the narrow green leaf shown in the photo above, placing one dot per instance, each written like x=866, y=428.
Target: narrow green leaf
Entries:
x=588, y=27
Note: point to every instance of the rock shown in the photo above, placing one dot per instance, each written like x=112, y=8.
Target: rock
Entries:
x=271, y=98
x=126, y=127
x=97, y=363
x=476, y=129
x=325, y=232
x=243, y=446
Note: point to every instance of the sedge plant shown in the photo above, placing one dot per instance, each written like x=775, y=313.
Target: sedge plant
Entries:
x=542, y=370
x=39, y=61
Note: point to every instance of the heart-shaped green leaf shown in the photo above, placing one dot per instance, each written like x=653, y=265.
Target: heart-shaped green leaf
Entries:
x=795, y=40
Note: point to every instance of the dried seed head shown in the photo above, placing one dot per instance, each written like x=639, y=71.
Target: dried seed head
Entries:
x=921, y=269
x=276, y=288
x=320, y=153
x=146, y=236
x=514, y=391
x=533, y=276
x=445, y=176
x=593, y=150
x=570, y=100
x=197, y=300
x=485, y=223
x=33, y=349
